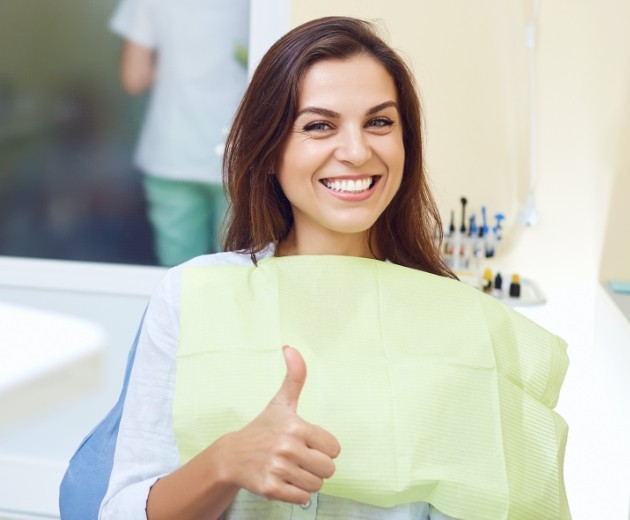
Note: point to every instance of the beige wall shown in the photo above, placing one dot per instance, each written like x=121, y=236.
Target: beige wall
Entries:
x=471, y=65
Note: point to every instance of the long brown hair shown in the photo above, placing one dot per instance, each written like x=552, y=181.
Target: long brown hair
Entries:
x=408, y=232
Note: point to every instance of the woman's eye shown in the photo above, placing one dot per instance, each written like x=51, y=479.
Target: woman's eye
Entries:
x=381, y=122
x=317, y=126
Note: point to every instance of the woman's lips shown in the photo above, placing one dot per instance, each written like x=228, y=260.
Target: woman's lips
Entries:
x=351, y=188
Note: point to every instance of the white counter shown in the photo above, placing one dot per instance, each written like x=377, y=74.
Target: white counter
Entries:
x=594, y=399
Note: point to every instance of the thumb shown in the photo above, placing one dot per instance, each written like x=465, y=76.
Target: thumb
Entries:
x=289, y=392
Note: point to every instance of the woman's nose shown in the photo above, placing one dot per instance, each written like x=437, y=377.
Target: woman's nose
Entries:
x=353, y=147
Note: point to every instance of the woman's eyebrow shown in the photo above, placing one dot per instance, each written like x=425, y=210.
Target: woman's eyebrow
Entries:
x=319, y=111
x=382, y=106
x=332, y=114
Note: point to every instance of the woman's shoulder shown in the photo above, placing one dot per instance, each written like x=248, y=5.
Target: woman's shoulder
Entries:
x=227, y=258
x=165, y=301
x=171, y=282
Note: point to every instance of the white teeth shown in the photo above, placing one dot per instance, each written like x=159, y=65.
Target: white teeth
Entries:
x=349, y=186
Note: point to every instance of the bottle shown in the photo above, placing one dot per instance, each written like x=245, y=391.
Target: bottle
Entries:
x=515, y=287
x=487, y=281
x=497, y=291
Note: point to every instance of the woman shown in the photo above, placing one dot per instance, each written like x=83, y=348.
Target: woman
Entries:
x=324, y=171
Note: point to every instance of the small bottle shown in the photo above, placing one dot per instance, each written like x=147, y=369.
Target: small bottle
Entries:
x=487, y=281
x=497, y=291
x=515, y=287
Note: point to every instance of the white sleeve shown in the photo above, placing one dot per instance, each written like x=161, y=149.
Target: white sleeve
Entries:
x=135, y=20
x=146, y=448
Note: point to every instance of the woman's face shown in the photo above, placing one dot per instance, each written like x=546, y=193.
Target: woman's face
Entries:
x=343, y=161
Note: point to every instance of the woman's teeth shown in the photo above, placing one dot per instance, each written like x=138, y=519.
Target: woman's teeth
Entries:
x=349, y=185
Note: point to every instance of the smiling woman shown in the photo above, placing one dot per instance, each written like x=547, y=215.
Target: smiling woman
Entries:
x=333, y=270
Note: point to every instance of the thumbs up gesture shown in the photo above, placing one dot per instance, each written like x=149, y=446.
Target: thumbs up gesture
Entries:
x=279, y=455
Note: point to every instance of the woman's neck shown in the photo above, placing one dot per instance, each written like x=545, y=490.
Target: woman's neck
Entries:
x=342, y=245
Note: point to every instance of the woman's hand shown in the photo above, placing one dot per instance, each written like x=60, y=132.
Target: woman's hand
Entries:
x=279, y=455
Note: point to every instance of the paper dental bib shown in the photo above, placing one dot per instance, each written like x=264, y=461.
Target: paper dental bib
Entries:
x=435, y=391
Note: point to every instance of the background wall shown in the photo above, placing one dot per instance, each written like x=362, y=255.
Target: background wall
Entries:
x=471, y=64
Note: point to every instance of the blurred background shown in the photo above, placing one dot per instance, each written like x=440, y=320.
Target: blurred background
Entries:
x=68, y=188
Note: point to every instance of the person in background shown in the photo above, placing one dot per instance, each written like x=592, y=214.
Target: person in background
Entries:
x=191, y=55
x=324, y=170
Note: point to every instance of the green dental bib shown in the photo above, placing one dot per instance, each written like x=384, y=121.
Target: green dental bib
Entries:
x=435, y=391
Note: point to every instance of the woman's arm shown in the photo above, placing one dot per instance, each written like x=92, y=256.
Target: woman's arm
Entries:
x=145, y=445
